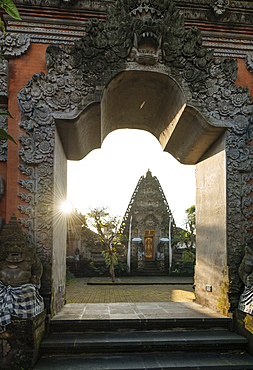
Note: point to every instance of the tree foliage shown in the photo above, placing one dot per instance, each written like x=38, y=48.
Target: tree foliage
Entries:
x=107, y=228
x=10, y=9
x=191, y=224
x=187, y=236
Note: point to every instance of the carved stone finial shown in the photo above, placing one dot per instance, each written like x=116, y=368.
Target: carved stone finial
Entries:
x=149, y=174
x=19, y=264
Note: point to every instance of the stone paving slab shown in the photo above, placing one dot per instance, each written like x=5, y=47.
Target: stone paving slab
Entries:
x=136, y=311
x=142, y=280
x=78, y=291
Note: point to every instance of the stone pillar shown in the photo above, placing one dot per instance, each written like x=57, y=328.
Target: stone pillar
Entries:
x=59, y=227
x=211, y=273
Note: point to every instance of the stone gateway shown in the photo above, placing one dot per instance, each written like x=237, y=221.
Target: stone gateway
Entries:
x=142, y=65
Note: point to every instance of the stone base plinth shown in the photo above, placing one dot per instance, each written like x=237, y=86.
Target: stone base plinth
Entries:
x=19, y=344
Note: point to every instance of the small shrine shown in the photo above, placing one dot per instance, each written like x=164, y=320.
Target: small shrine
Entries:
x=148, y=223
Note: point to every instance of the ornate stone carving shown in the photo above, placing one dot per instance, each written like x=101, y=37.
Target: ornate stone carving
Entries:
x=5, y=347
x=3, y=142
x=14, y=45
x=246, y=267
x=4, y=77
x=2, y=187
x=219, y=6
x=249, y=61
x=19, y=264
x=246, y=275
x=136, y=35
x=3, y=119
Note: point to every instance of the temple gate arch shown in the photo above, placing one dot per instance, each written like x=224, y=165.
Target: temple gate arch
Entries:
x=141, y=69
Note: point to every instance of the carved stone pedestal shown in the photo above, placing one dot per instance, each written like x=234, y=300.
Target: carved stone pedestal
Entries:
x=19, y=344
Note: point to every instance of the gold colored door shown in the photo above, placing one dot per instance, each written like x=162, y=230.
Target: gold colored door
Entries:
x=149, y=244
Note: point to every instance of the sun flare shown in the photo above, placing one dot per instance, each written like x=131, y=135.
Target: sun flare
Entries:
x=66, y=207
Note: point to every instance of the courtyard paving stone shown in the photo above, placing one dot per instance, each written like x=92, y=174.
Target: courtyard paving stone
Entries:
x=134, y=289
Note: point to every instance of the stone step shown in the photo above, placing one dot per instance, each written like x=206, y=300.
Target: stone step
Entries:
x=229, y=360
x=151, y=273
x=144, y=341
x=94, y=325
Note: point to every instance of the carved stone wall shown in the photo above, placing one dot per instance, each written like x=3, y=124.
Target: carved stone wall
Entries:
x=148, y=36
x=3, y=142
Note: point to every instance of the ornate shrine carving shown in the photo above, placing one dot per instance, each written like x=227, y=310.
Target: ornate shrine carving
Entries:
x=141, y=35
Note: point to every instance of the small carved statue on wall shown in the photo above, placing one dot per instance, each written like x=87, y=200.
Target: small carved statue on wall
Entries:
x=20, y=274
x=246, y=275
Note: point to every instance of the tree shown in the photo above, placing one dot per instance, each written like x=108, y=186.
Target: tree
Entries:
x=187, y=236
x=191, y=224
x=107, y=227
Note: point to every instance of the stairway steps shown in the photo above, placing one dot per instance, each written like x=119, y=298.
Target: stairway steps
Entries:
x=82, y=325
x=156, y=361
x=144, y=341
x=202, y=342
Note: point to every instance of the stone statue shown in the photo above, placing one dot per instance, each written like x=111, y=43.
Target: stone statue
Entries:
x=246, y=275
x=19, y=264
x=20, y=273
x=246, y=267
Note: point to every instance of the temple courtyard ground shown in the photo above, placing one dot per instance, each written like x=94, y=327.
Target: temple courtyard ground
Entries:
x=131, y=290
x=129, y=323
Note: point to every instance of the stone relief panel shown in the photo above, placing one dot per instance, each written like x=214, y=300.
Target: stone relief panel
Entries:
x=249, y=61
x=239, y=173
x=3, y=142
x=141, y=35
x=4, y=77
x=14, y=45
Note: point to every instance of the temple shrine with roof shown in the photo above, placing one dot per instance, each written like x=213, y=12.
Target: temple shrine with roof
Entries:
x=148, y=222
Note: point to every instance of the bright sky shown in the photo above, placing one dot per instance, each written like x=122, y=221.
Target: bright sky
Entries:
x=108, y=176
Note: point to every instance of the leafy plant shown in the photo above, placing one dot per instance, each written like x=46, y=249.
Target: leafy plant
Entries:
x=110, y=256
x=69, y=276
x=10, y=9
x=121, y=269
x=97, y=270
x=3, y=133
x=188, y=257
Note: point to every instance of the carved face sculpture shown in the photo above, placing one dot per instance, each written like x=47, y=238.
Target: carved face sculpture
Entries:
x=18, y=263
x=147, y=26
